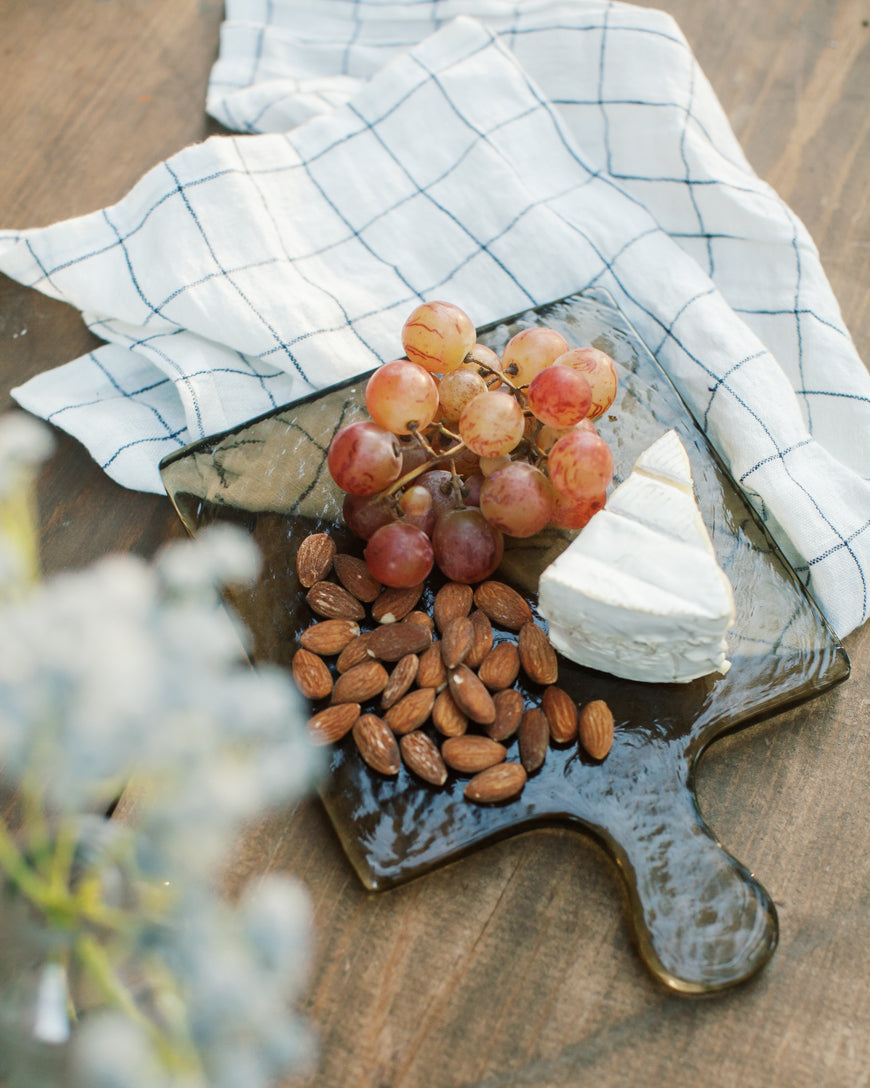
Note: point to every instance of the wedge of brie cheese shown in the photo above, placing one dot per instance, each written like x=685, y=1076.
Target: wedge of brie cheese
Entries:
x=639, y=593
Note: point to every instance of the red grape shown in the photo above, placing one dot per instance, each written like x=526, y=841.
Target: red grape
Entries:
x=399, y=555
x=467, y=548
x=413, y=454
x=517, y=499
x=559, y=396
x=570, y=512
x=364, y=458
x=600, y=371
x=364, y=513
x=471, y=489
x=440, y=485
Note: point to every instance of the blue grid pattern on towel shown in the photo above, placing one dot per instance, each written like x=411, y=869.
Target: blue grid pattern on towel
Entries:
x=247, y=270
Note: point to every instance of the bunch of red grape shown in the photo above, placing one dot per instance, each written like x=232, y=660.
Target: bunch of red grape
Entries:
x=463, y=447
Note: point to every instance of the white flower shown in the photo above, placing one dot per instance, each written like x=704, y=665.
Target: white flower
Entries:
x=24, y=443
x=225, y=555
x=136, y=669
x=110, y=1052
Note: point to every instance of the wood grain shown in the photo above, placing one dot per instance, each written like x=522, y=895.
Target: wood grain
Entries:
x=512, y=967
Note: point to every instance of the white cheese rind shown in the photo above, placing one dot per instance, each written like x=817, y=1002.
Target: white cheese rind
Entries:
x=639, y=593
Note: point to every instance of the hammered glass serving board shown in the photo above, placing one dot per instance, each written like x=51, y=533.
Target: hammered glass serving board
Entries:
x=702, y=922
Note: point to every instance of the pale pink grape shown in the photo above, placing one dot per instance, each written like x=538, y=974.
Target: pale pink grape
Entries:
x=529, y=351
x=548, y=436
x=492, y=424
x=457, y=389
x=580, y=464
x=417, y=508
x=484, y=361
x=402, y=397
x=489, y=465
x=415, y=500
x=438, y=336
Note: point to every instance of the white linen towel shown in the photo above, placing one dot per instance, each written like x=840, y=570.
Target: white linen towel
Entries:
x=497, y=155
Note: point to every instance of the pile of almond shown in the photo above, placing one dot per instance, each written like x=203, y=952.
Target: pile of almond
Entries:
x=435, y=692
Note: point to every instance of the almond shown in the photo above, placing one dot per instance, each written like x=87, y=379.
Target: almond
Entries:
x=421, y=755
x=394, y=640
x=537, y=656
x=500, y=667
x=447, y=718
x=509, y=707
x=401, y=678
x=416, y=616
x=356, y=578
x=376, y=744
x=562, y=714
x=334, y=602
x=471, y=696
x=498, y=783
x=312, y=676
x=332, y=723
x=360, y=683
x=411, y=711
x=354, y=653
x=596, y=728
x=534, y=736
x=393, y=605
x=452, y=600
x=431, y=672
x=328, y=637
x=471, y=753
x=482, y=639
x=314, y=558
x=503, y=605
x=456, y=640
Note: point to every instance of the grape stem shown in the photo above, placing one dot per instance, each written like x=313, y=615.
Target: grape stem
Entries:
x=421, y=438
x=542, y=455
x=420, y=469
x=457, y=484
x=500, y=374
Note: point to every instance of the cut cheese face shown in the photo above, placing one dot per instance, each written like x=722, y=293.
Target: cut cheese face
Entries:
x=639, y=593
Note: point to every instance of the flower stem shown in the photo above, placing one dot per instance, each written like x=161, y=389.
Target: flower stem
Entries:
x=29, y=883
x=174, y=1046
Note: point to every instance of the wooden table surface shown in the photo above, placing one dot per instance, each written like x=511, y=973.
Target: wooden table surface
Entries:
x=513, y=967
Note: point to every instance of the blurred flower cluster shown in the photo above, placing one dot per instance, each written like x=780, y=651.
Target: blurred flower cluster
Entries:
x=121, y=963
